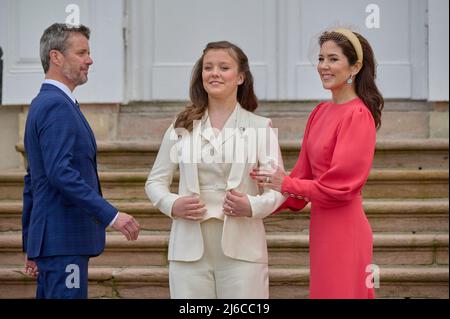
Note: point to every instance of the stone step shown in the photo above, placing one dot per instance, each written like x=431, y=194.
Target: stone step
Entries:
x=286, y=283
x=285, y=249
x=392, y=154
x=381, y=184
x=149, y=120
x=384, y=216
x=408, y=216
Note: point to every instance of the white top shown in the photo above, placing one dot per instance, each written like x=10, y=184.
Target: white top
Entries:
x=213, y=170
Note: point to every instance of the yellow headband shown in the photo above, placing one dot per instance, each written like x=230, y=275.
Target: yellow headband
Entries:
x=354, y=41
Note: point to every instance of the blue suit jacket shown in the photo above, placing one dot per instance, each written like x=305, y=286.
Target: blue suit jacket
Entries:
x=63, y=210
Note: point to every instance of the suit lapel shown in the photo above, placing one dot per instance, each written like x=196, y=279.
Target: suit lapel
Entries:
x=239, y=149
x=227, y=132
x=231, y=126
x=191, y=147
x=190, y=156
x=207, y=132
x=86, y=124
x=77, y=110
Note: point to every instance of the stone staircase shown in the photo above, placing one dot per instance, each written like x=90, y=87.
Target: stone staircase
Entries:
x=405, y=199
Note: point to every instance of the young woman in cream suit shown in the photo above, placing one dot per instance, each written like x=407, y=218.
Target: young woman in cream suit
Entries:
x=217, y=246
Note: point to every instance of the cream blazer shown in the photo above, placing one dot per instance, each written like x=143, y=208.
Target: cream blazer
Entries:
x=243, y=238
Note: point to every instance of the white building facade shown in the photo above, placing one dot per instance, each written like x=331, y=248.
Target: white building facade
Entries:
x=144, y=50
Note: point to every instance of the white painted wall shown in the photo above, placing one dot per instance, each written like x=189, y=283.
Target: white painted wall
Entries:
x=395, y=43
x=25, y=22
x=392, y=42
x=176, y=32
x=438, y=55
x=276, y=36
x=164, y=38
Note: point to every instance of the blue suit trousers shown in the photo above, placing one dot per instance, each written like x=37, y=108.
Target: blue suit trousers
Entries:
x=62, y=277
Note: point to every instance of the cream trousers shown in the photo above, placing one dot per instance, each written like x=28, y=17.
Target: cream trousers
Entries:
x=216, y=275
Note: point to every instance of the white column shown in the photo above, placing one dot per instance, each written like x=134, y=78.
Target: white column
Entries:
x=438, y=49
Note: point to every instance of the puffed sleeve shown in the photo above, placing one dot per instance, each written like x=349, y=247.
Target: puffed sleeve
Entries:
x=301, y=170
x=350, y=165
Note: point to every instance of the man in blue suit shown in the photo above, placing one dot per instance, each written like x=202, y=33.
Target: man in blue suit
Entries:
x=64, y=215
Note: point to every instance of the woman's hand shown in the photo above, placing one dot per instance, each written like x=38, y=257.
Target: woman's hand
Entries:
x=272, y=179
x=188, y=207
x=237, y=204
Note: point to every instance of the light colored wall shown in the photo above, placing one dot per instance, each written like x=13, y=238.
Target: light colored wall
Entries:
x=438, y=45
x=24, y=21
x=9, y=136
x=144, y=50
x=166, y=38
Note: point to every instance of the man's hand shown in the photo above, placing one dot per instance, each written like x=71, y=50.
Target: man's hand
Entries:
x=127, y=225
x=31, y=268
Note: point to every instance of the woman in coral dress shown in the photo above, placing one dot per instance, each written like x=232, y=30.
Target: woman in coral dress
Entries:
x=333, y=166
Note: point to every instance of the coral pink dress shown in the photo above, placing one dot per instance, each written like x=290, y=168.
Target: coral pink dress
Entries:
x=333, y=166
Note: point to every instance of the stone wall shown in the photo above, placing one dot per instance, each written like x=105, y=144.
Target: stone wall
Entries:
x=147, y=122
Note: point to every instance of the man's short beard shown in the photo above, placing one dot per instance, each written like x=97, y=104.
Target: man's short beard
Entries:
x=77, y=81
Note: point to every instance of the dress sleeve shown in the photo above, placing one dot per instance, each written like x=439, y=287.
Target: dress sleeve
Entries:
x=301, y=170
x=350, y=164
